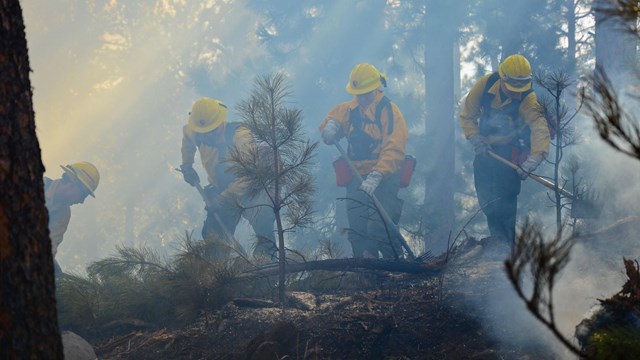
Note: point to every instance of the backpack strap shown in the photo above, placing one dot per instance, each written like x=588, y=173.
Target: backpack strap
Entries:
x=384, y=103
x=487, y=97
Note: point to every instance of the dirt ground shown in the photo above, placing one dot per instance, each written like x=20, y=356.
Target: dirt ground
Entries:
x=394, y=316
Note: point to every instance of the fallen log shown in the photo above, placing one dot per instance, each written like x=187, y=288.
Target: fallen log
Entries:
x=254, y=303
x=410, y=267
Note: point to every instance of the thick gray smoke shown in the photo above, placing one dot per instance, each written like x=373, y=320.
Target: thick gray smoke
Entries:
x=113, y=83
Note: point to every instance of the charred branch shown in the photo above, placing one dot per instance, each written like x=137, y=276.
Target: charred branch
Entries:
x=354, y=265
x=615, y=126
x=543, y=261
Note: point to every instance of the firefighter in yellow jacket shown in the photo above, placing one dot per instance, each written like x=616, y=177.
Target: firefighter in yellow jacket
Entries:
x=78, y=181
x=501, y=113
x=377, y=136
x=209, y=133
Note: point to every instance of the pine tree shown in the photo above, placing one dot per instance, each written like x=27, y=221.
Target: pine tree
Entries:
x=281, y=160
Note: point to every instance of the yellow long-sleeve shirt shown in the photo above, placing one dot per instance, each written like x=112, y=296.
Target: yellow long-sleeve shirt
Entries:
x=210, y=157
x=529, y=112
x=392, y=147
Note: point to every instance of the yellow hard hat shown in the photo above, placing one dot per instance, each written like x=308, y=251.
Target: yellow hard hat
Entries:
x=515, y=72
x=207, y=114
x=86, y=173
x=365, y=78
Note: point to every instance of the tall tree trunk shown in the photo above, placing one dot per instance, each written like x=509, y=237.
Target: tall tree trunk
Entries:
x=570, y=18
x=510, y=39
x=28, y=321
x=439, y=149
x=616, y=48
x=282, y=262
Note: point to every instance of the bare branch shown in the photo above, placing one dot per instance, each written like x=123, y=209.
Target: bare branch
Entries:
x=544, y=262
x=616, y=127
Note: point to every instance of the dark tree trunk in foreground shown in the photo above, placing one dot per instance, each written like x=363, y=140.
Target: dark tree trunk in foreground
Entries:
x=28, y=322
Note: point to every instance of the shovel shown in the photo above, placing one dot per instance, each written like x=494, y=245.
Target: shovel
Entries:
x=580, y=208
x=376, y=202
x=234, y=243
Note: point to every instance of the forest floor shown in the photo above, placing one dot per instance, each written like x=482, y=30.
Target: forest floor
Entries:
x=375, y=315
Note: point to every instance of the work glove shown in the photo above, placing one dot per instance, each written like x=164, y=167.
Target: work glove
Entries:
x=330, y=131
x=189, y=174
x=479, y=145
x=528, y=166
x=372, y=181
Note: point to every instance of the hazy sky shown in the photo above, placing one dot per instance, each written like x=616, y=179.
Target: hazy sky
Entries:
x=114, y=80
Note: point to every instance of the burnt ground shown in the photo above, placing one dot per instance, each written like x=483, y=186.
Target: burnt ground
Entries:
x=376, y=315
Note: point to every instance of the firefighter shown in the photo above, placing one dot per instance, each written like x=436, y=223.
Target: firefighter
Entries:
x=78, y=181
x=501, y=113
x=377, y=135
x=209, y=133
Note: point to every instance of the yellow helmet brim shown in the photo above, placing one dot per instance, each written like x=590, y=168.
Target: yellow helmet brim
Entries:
x=193, y=125
x=206, y=115
x=359, y=91
x=67, y=169
x=374, y=83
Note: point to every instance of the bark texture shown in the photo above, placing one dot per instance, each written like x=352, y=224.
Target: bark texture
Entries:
x=28, y=322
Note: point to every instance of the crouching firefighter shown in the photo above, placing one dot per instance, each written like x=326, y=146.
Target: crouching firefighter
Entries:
x=377, y=135
x=501, y=113
x=78, y=181
x=209, y=133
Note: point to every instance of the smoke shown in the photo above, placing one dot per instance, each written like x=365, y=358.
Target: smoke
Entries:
x=113, y=84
